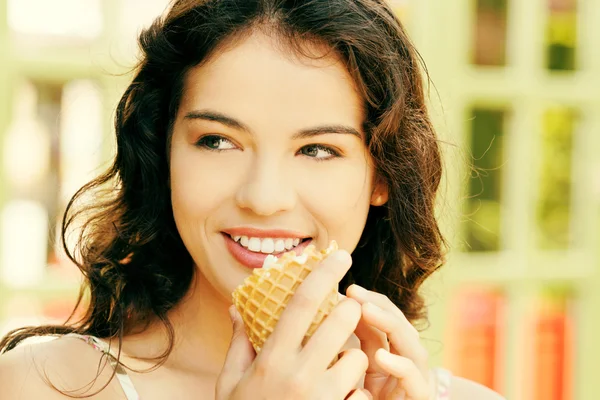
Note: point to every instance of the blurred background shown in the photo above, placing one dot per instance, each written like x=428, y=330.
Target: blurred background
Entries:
x=516, y=101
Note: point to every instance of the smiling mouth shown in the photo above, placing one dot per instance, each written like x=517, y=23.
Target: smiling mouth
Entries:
x=267, y=245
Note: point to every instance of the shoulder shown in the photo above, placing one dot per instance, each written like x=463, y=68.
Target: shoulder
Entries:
x=464, y=389
x=29, y=371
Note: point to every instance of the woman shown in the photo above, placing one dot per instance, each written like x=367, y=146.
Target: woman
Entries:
x=254, y=127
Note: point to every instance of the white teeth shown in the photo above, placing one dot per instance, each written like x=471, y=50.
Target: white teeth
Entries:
x=254, y=244
x=289, y=244
x=279, y=245
x=267, y=246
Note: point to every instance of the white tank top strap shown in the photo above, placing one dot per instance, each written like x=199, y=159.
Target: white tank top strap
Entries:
x=120, y=373
x=442, y=379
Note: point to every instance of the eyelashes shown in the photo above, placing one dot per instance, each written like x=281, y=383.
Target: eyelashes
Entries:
x=213, y=142
x=315, y=149
x=218, y=143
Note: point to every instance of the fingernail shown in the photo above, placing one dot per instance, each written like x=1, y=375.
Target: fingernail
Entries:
x=359, y=290
x=384, y=356
x=232, y=313
x=342, y=256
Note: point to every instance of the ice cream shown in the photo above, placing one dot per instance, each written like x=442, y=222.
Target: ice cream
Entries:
x=262, y=297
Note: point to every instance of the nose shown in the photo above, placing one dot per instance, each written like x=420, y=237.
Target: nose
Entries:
x=266, y=190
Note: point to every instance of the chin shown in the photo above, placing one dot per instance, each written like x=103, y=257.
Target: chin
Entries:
x=222, y=281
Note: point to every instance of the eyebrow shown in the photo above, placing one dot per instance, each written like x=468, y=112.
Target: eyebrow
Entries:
x=215, y=116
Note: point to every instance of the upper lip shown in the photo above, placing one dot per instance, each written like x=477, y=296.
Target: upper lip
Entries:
x=265, y=233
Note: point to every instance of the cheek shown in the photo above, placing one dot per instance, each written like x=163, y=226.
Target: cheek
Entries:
x=340, y=198
x=200, y=184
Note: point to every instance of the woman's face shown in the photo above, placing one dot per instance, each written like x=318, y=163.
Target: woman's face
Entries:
x=267, y=154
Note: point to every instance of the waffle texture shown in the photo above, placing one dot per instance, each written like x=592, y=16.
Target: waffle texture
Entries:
x=262, y=297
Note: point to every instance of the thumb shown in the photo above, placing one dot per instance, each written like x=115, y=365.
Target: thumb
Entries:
x=239, y=357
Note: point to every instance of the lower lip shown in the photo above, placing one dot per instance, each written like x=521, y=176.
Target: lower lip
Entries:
x=254, y=260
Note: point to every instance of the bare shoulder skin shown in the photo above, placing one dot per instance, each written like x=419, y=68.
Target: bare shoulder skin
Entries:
x=68, y=363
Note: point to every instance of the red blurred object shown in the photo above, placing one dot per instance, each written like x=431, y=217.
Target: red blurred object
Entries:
x=479, y=337
x=553, y=357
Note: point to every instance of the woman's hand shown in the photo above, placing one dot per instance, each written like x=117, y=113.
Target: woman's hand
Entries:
x=285, y=369
x=398, y=367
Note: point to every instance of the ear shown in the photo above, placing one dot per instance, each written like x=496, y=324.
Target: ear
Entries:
x=379, y=196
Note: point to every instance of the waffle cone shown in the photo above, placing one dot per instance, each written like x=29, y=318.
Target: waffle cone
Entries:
x=263, y=296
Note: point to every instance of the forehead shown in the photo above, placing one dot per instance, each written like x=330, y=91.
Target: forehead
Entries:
x=254, y=78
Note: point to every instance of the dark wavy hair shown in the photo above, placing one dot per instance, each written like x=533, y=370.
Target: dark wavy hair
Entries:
x=135, y=265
